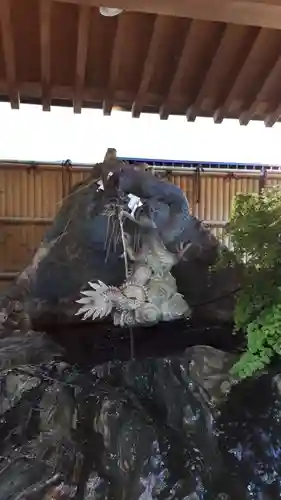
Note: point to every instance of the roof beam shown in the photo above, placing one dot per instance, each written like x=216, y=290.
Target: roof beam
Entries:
x=45, y=50
x=262, y=13
x=114, y=68
x=206, y=72
x=248, y=113
x=32, y=93
x=158, y=30
x=222, y=109
x=179, y=72
x=9, y=52
x=273, y=117
x=81, y=59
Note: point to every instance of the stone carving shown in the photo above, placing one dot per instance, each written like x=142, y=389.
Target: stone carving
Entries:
x=147, y=296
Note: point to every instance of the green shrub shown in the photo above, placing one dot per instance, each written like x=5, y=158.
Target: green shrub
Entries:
x=255, y=235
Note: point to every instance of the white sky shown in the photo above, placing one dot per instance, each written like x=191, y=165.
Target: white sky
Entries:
x=31, y=134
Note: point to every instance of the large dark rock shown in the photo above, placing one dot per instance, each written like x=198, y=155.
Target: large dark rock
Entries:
x=80, y=419
x=163, y=428
x=74, y=251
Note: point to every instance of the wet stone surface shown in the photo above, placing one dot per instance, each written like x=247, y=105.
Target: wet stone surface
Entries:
x=159, y=428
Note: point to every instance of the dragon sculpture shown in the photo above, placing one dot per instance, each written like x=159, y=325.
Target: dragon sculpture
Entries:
x=149, y=293
x=164, y=203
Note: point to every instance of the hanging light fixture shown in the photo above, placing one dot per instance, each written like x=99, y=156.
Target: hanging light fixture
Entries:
x=110, y=11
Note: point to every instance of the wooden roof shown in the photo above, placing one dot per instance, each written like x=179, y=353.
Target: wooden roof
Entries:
x=161, y=56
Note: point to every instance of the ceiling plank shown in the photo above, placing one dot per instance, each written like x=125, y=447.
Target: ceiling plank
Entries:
x=222, y=109
x=207, y=70
x=81, y=58
x=178, y=75
x=45, y=50
x=198, y=52
x=273, y=117
x=222, y=69
x=158, y=32
x=114, y=68
x=261, y=13
x=248, y=113
x=31, y=92
x=9, y=52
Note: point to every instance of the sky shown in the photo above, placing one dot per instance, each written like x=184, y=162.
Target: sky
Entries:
x=31, y=134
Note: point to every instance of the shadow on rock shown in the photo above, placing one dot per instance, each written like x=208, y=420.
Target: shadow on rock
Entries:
x=164, y=428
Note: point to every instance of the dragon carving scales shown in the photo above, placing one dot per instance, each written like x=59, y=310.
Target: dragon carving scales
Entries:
x=149, y=293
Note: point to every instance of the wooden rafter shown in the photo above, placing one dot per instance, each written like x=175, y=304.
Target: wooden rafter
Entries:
x=114, y=68
x=248, y=113
x=222, y=109
x=159, y=28
x=164, y=109
x=45, y=50
x=261, y=13
x=227, y=61
x=230, y=69
x=81, y=58
x=32, y=90
x=9, y=52
x=273, y=117
x=218, y=43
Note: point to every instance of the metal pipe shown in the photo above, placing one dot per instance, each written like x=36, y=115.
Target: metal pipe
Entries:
x=136, y=160
x=45, y=166
x=156, y=168
x=217, y=172
x=32, y=163
x=271, y=174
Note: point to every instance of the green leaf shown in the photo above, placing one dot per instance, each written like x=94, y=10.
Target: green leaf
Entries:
x=255, y=234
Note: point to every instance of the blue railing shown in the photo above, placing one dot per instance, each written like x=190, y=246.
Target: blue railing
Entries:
x=203, y=164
